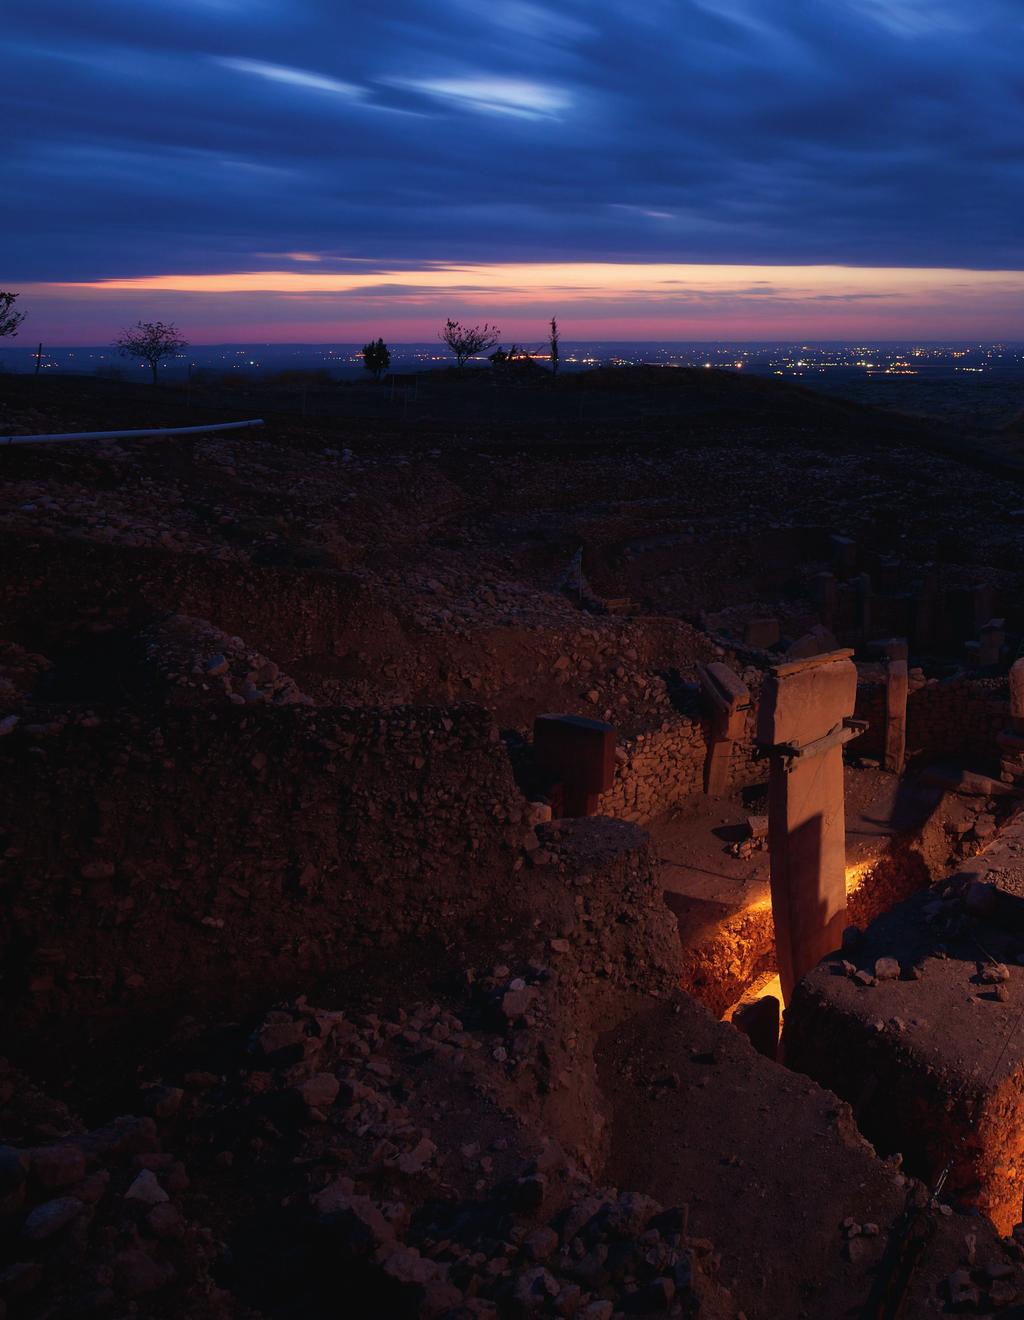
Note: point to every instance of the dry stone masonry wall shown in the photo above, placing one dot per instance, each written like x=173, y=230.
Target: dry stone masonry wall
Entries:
x=147, y=868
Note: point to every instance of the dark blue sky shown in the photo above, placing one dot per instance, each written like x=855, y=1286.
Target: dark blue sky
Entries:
x=229, y=135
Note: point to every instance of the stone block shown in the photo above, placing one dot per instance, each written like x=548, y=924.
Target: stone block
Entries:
x=803, y=708
x=579, y=754
x=761, y=633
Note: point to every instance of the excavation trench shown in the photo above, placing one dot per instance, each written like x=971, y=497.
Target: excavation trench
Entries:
x=901, y=836
x=932, y=1060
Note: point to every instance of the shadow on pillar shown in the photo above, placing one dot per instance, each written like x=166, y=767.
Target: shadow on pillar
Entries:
x=808, y=923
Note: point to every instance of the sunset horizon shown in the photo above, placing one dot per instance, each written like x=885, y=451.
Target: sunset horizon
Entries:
x=622, y=301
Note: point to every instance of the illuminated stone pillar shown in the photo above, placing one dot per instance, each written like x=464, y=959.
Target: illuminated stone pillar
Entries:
x=729, y=699
x=805, y=717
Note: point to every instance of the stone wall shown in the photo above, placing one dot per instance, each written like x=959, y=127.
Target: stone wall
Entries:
x=148, y=866
x=958, y=716
x=654, y=770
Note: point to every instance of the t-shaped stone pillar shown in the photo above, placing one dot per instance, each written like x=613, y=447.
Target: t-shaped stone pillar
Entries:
x=804, y=719
x=729, y=698
x=579, y=755
x=897, y=684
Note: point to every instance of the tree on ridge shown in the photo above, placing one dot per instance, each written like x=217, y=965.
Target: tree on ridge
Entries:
x=467, y=341
x=150, y=341
x=376, y=357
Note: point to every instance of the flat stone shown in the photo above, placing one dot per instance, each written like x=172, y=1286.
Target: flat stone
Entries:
x=146, y=1188
x=50, y=1217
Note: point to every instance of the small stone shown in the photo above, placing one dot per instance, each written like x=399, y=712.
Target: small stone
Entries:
x=515, y=1003
x=319, y=1091
x=863, y=978
x=166, y=1221
x=146, y=1189
x=162, y=1101
x=1001, y=1293
x=50, y=1217
x=136, y=1273
x=963, y=1295
x=887, y=969
x=54, y=1167
x=417, y=1159
x=534, y=1288
x=541, y=1243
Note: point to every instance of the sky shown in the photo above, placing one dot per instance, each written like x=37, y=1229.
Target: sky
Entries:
x=326, y=170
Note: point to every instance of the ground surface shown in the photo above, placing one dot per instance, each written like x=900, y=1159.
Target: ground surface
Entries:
x=232, y=671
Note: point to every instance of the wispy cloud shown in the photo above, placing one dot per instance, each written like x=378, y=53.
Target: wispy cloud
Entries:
x=503, y=96
x=282, y=73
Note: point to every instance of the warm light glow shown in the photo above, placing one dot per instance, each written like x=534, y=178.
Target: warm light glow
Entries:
x=585, y=280
x=319, y=298
x=856, y=875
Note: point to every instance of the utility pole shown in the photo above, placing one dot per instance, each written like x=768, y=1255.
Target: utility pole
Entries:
x=39, y=358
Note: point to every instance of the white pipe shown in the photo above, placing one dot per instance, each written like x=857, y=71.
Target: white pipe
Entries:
x=128, y=435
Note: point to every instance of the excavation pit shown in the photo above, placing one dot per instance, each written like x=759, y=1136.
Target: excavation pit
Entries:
x=896, y=842
x=918, y=1023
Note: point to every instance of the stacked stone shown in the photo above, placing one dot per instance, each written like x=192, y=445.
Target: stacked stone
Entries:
x=93, y=1220
x=657, y=769
x=386, y=824
x=960, y=715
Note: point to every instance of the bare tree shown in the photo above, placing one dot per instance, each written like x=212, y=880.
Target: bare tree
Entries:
x=150, y=341
x=553, y=344
x=466, y=342
x=376, y=357
x=9, y=318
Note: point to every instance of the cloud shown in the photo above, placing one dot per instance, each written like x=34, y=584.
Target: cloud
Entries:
x=504, y=96
x=860, y=132
x=317, y=82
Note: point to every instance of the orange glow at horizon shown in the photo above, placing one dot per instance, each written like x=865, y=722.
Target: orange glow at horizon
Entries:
x=585, y=281
x=594, y=301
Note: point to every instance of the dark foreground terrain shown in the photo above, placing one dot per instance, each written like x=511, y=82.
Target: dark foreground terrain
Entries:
x=311, y=1009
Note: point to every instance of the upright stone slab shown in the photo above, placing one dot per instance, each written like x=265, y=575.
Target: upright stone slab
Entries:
x=844, y=554
x=802, y=724
x=927, y=623
x=579, y=755
x=761, y=633
x=864, y=601
x=825, y=597
x=984, y=600
x=729, y=699
x=896, y=688
x=1017, y=695
x=991, y=640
